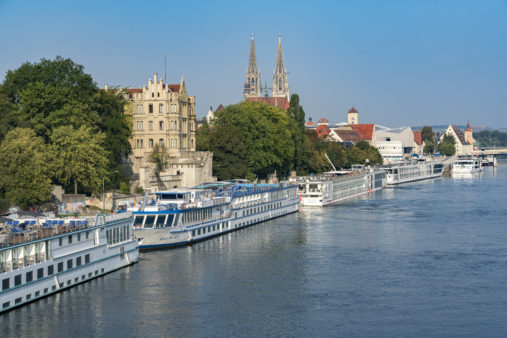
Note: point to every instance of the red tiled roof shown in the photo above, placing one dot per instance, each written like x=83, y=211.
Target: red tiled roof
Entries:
x=174, y=87
x=348, y=135
x=459, y=133
x=219, y=109
x=131, y=91
x=418, y=137
x=322, y=130
x=468, y=127
x=309, y=123
x=365, y=131
x=352, y=110
x=323, y=120
x=281, y=102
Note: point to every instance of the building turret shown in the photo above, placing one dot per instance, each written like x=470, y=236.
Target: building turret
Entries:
x=280, y=82
x=252, y=86
x=353, y=116
x=469, y=134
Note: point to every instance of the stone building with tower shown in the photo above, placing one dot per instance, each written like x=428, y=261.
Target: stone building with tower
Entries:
x=164, y=115
x=252, y=90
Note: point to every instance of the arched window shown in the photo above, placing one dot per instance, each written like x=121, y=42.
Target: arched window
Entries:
x=280, y=84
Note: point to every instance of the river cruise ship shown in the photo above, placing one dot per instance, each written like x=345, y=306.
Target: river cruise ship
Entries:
x=42, y=256
x=421, y=170
x=183, y=216
x=336, y=186
x=466, y=166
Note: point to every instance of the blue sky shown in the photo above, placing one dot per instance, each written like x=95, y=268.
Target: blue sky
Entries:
x=398, y=62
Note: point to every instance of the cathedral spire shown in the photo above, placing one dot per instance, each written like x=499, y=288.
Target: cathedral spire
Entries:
x=280, y=82
x=252, y=86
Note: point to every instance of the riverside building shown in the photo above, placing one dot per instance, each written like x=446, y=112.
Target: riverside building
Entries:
x=164, y=115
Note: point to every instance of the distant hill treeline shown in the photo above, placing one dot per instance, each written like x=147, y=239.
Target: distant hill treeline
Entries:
x=491, y=138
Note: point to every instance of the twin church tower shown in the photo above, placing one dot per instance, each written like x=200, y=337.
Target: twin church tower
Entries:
x=253, y=87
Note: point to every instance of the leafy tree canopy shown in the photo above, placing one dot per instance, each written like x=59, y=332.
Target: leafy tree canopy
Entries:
x=48, y=95
x=25, y=170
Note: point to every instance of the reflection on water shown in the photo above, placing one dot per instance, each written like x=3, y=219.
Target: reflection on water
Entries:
x=422, y=259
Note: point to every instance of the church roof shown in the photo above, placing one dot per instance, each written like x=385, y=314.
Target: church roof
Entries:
x=309, y=123
x=418, y=137
x=280, y=102
x=365, y=131
x=323, y=120
x=468, y=127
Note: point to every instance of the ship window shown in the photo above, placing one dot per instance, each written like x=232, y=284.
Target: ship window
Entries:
x=29, y=296
x=60, y=241
x=169, y=221
x=5, y=283
x=78, y=261
x=149, y=221
x=87, y=258
x=68, y=282
x=89, y=274
x=78, y=237
x=69, y=264
x=70, y=239
x=96, y=272
x=6, y=305
x=102, y=270
x=17, y=280
x=46, y=290
x=29, y=276
x=87, y=234
x=160, y=220
x=60, y=267
x=51, y=270
x=53, y=288
x=138, y=222
x=37, y=293
x=18, y=300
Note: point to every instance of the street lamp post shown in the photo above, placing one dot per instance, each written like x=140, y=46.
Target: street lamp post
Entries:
x=104, y=192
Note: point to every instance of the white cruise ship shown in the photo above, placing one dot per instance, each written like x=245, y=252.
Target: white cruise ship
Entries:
x=336, y=186
x=466, y=166
x=184, y=216
x=39, y=257
x=404, y=173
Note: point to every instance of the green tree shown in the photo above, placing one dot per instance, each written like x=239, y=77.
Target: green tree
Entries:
x=51, y=94
x=78, y=155
x=447, y=145
x=266, y=135
x=229, y=153
x=429, y=148
x=203, y=136
x=160, y=158
x=297, y=118
x=428, y=138
x=24, y=173
x=446, y=148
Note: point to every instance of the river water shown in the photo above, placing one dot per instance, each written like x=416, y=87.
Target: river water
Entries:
x=426, y=259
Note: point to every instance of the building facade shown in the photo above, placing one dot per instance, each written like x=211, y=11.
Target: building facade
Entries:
x=164, y=115
x=462, y=146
